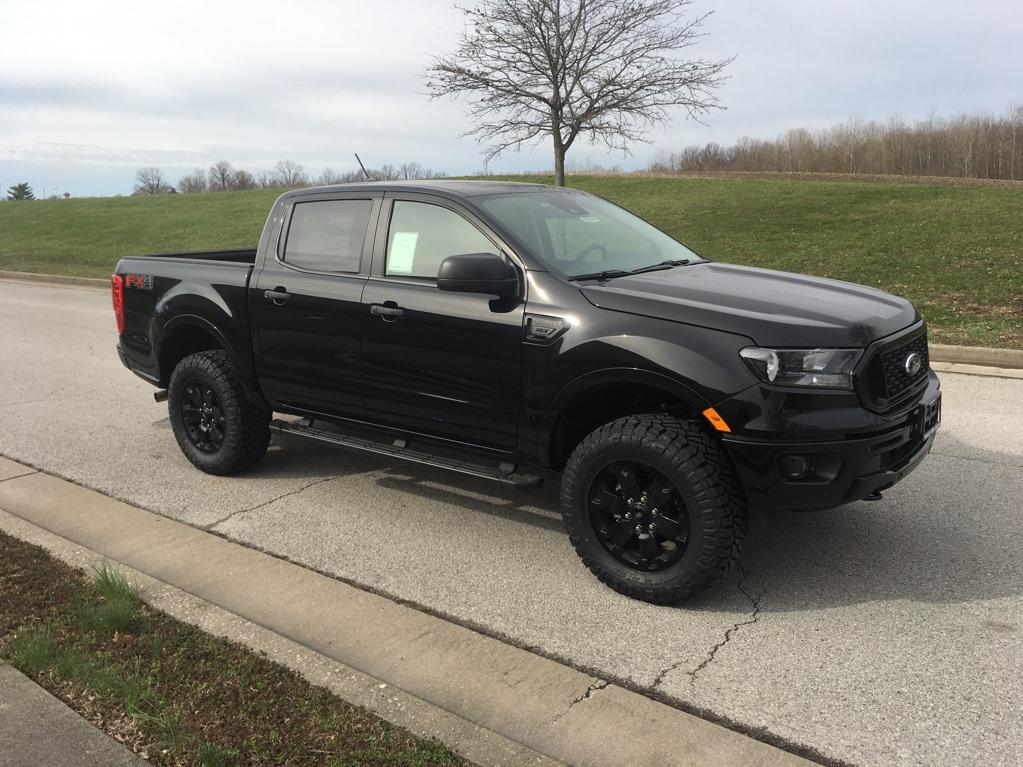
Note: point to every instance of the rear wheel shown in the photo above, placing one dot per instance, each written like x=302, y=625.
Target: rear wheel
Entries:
x=653, y=507
x=217, y=427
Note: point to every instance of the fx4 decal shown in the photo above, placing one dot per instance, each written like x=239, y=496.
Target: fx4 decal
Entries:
x=138, y=281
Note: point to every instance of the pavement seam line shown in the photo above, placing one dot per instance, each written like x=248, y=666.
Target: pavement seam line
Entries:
x=60, y=395
x=19, y=476
x=273, y=500
x=302, y=489
x=977, y=460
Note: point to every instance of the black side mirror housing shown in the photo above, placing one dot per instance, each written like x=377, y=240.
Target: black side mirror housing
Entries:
x=486, y=273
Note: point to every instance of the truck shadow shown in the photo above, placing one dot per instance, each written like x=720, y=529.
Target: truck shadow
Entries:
x=949, y=533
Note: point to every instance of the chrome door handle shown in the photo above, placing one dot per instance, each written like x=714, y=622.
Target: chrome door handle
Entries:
x=388, y=313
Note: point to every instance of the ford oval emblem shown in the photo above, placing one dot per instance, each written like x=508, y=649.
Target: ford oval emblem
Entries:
x=914, y=362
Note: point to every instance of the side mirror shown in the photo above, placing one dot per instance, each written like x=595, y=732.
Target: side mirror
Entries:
x=479, y=273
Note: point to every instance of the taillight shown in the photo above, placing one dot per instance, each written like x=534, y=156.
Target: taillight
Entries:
x=117, y=294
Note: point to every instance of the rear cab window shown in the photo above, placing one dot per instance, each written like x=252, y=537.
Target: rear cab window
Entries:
x=327, y=235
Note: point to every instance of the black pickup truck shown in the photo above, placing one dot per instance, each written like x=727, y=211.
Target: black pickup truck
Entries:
x=512, y=331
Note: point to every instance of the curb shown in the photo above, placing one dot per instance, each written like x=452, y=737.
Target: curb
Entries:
x=966, y=355
x=54, y=279
x=481, y=746
x=539, y=709
x=977, y=355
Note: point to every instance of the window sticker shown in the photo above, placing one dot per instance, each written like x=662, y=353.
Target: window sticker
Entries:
x=590, y=219
x=403, y=252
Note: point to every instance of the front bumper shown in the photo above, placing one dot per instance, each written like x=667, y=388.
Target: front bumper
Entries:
x=838, y=471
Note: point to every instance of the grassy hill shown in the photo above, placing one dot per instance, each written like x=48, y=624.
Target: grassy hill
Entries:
x=956, y=252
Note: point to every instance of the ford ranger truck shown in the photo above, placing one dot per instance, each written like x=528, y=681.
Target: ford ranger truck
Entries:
x=517, y=331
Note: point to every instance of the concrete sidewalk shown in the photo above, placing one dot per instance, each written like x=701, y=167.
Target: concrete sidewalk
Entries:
x=37, y=729
x=492, y=702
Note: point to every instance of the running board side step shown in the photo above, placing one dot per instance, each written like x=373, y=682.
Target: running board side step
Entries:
x=504, y=473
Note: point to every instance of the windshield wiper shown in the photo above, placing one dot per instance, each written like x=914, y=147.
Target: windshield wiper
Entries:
x=610, y=274
x=661, y=265
x=607, y=274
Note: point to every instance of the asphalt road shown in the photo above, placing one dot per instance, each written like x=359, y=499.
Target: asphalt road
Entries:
x=879, y=634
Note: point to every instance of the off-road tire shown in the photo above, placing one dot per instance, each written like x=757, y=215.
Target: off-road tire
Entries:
x=246, y=424
x=694, y=461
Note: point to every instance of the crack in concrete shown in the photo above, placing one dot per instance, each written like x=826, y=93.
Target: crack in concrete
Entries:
x=302, y=489
x=591, y=690
x=754, y=616
x=596, y=687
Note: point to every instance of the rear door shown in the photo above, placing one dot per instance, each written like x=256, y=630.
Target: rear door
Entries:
x=439, y=363
x=305, y=304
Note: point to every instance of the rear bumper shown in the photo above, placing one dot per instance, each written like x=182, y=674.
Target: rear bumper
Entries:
x=838, y=471
x=145, y=375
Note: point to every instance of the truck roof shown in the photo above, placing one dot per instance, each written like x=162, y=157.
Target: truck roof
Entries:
x=452, y=188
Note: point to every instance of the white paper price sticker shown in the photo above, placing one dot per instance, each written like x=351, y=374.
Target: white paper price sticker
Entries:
x=403, y=252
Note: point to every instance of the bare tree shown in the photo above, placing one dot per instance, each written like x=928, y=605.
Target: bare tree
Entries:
x=243, y=180
x=221, y=176
x=602, y=69
x=193, y=182
x=410, y=170
x=267, y=180
x=290, y=174
x=329, y=176
x=150, y=181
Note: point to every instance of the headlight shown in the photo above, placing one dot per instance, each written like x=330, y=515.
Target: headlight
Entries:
x=819, y=368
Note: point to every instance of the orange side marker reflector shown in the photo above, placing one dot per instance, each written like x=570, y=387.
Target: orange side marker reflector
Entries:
x=716, y=420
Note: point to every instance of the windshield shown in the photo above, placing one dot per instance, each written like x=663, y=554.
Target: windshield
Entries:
x=578, y=234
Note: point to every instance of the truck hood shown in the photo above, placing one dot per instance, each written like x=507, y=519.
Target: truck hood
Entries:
x=775, y=309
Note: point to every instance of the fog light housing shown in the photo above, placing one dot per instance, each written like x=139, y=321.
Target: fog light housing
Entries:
x=794, y=467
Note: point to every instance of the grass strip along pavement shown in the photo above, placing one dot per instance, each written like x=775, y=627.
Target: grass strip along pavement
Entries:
x=170, y=692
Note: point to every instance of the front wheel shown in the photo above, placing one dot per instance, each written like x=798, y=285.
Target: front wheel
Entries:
x=217, y=427
x=653, y=507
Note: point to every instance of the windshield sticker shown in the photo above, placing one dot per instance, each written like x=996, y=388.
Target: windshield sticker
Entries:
x=590, y=219
x=403, y=252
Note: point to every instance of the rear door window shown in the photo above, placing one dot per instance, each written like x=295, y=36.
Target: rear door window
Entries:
x=328, y=235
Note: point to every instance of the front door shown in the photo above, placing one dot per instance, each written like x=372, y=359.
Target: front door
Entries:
x=440, y=363
x=305, y=305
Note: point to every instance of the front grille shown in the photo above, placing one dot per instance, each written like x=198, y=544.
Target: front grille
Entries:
x=886, y=384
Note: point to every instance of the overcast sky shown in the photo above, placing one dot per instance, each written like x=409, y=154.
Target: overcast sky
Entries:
x=91, y=91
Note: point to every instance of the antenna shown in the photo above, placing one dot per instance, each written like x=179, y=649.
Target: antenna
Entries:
x=364, y=171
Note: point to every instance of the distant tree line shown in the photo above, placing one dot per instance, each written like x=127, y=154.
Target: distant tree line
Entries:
x=967, y=146
x=222, y=176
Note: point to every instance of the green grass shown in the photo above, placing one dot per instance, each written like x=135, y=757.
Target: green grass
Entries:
x=956, y=252
x=171, y=692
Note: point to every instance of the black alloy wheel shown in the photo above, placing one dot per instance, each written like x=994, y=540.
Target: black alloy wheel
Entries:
x=638, y=515
x=653, y=506
x=202, y=416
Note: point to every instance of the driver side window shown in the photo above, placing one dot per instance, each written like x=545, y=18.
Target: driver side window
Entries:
x=421, y=235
